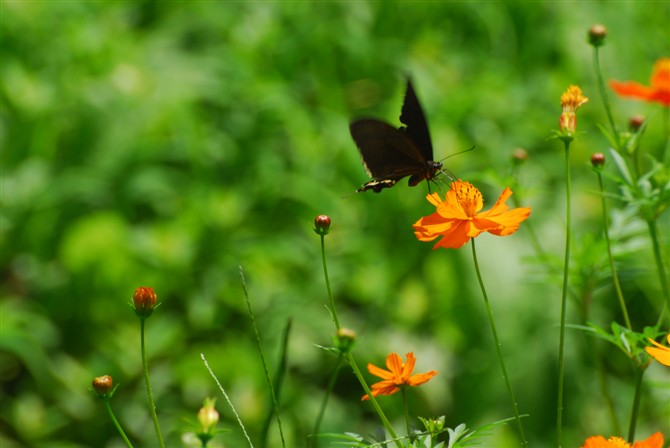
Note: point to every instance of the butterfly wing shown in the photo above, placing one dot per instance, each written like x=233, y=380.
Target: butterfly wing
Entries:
x=388, y=153
x=416, y=127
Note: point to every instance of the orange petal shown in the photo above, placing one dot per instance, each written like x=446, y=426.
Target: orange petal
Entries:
x=451, y=207
x=632, y=89
x=421, y=378
x=653, y=441
x=455, y=237
x=430, y=227
x=385, y=387
x=381, y=373
x=506, y=223
x=408, y=368
x=394, y=364
x=499, y=207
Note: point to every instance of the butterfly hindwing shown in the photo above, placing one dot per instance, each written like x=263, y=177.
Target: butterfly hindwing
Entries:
x=416, y=127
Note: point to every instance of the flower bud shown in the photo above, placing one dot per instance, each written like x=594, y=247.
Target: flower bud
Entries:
x=519, y=155
x=322, y=225
x=636, y=122
x=346, y=338
x=597, y=35
x=144, y=301
x=103, y=386
x=598, y=159
x=208, y=417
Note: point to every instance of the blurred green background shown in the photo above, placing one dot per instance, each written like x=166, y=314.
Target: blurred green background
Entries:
x=165, y=144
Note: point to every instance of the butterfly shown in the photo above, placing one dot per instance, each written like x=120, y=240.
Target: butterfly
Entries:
x=390, y=154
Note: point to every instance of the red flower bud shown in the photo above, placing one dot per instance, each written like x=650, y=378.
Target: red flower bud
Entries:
x=322, y=225
x=636, y=122
x=103, y=385
x=144, y=301
x=598, y=159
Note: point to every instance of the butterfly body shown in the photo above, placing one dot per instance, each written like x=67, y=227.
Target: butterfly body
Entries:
x=389, y=154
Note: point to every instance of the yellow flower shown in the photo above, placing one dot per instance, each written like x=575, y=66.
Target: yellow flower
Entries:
x=458, y=219
x=660, y=353
x=571, y=100
x=398, y=374
x=654, y=441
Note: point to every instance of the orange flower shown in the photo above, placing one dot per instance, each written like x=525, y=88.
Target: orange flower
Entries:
x=398, y=374
x=654, y=441
x=458, y=219
x=571, y=100
x=660, y=85
x=660, y=354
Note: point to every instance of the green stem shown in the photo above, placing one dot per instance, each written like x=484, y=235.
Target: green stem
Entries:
x=564, y=296
x=403, y=392
x=604, y=98
x=615, y=276
x=373, y=400
x=636, y=404
x=230, y=403
x=312, y=442
x=116, y=423
x=330, y=293
x=658, y=256
x=489, y=312
x=264, y=362
x=152, y=405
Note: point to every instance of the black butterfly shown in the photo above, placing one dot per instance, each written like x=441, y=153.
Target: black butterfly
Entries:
x=389, y=154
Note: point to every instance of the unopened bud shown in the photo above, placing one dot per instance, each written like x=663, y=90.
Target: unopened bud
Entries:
x=322, y=225
x=103, y=386
x=346, y=338
x=636, y=122
x=598, y=159
x=519, y=155
x=144, y=301
x=597, y=35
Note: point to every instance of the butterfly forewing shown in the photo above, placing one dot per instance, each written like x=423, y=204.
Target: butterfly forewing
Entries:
x=389, y=153
x=415, y=122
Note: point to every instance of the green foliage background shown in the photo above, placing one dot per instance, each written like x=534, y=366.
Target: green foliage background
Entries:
x=165, y=144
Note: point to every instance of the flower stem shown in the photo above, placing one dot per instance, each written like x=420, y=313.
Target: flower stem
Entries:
x=564, y=297
x=312, y=442
x=116, y=423
x=615, y=276
x=152, y=405
x=603, y=96
x=489, y=312
x=403, y=392
x=330, y=293
x=373, y=400
x=265, y=364
x=230, y=403
x=636, y=404
x=658, y=256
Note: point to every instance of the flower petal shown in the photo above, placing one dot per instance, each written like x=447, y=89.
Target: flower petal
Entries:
x=430, y=227
x=661, y=354
x=421, y=378
x=653, y=441
x=408, y=368
x=381, y=373
x=394, y=364
x=632, y=89
x=386, y=387
x=504, y=224
x=596, y=442
x=456, y=236
x=499, y=207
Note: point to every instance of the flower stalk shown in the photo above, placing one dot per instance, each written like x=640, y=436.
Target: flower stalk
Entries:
x=498, y=345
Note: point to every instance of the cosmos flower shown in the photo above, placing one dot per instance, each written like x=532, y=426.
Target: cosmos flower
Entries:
x=458, y=217
x=399, y=374
x=658, y=91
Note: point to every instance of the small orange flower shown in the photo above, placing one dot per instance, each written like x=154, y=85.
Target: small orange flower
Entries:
x=660, y=354
x=398, y=374
x=654, y=441
x=571, y=100
x=458, y=219
x=658, y=91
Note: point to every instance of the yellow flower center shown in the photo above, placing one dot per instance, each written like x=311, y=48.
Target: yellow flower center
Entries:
x=572, y=99
x=468, y=197
x=618, y=442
